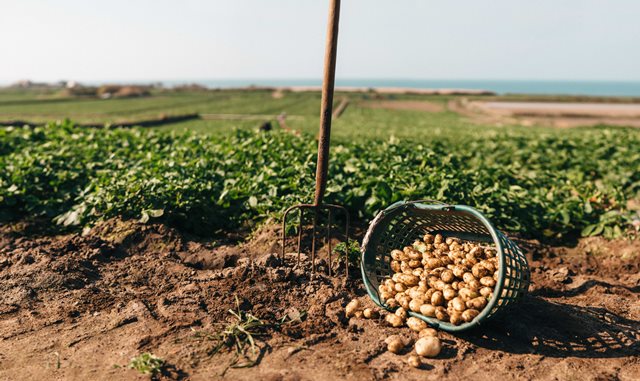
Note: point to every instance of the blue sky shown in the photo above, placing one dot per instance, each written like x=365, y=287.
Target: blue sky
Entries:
x=193, y=39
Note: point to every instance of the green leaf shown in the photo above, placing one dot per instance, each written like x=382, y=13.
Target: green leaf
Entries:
x=587, y=230
x=155, y=212
x=587, y=207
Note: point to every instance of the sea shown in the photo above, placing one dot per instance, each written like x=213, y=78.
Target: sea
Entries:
x=593, y=88
x=548, y=87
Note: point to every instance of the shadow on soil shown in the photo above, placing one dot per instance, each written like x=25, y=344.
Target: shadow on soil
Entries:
x=560, y=330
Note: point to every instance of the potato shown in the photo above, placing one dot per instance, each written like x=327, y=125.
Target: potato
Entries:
x=358, y=314
x=415, y=263
x=491, y=268
x=428, y=238
x=395, y=266
x=415, y=293
x=449, y=293
x=428, y=332
x=478, y=270
x=394, y=320
x=433, y=263
x=474, y=285
x=352, y=307
x=408, y=280
x=428, y=310
x=414, y=361
x=486, y=291
x=413, y=254
x=370, y=313
x=458, y=304
x=415, y=304
x=437, y=299
x=489, y=253
x=404, y=302
x=416, y=324
x=470, y=314
x=417, y=272
x=400, y=287
x=397, y=255
x=468, y=277
x=441, y=314
x=437, y=239
x=487, y=281
x=456, y=318
x=428, y=294
x=477, y=303
x=401, y=313
x=395, y=344
x=386, y=295
x=467, y=294
x=439, y=285
x=389, y=283
x=420, y=246
x=454, y=255
x=392, y=303
x=468, y=262
x=476, y=251
x=447, y=276
x=428, y=346
x=455, y=285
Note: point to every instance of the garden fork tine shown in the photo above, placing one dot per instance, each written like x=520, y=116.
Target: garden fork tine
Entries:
x=324, y=139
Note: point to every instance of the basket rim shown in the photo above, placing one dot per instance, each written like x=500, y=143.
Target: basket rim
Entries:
x=486, y=311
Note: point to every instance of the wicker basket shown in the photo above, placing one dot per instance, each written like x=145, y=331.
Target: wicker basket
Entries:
x=403, y=222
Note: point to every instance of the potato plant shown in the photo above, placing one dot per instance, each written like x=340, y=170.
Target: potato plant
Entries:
x=538, y=185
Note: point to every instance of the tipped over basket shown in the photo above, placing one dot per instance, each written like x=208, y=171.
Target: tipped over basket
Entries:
x=403, y=222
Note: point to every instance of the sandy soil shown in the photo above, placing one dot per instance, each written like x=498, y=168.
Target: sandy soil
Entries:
x=74, y=307
x=559, y=114
x=613, y=110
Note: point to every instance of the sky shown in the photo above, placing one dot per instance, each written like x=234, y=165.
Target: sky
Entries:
x=119, y=40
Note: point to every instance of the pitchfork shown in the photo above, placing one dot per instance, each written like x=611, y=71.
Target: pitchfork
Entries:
x=324, y=138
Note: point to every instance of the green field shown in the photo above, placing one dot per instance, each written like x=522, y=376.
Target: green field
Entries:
x=302, y=110
x=210, y=175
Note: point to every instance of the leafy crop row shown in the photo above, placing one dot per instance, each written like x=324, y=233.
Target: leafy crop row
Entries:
x=537, y=185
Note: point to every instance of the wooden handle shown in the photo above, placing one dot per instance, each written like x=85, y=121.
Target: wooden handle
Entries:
x=326, y=105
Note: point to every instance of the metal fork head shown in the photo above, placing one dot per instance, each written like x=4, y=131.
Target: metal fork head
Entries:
x=316, y=210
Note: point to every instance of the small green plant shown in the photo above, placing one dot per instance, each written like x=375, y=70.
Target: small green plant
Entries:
x=146, y=363
x=238, y=336
x=352, y=252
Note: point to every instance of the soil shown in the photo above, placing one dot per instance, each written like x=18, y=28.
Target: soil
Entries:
x=76, y=307
x=552, y=114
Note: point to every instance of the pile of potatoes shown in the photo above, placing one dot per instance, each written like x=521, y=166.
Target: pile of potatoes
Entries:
x=446, y=278
x=427, y=345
